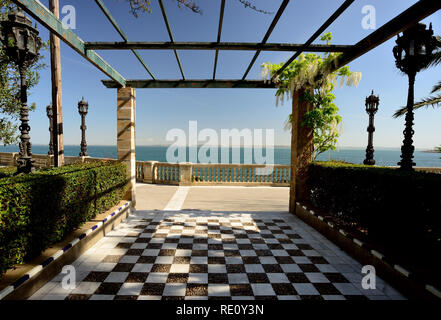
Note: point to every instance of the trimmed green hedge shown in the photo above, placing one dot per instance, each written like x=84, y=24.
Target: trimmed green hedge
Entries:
x=7, y=172
x=396, y=207
x=41, y=208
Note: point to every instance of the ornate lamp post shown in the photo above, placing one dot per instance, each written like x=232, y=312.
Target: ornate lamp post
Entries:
x=372, y=103
x=412, y=52
x=21, y=44
x=50, y=114
x=83, y=107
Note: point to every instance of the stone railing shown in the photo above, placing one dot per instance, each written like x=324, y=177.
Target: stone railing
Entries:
x=212, y=174
x=44, y=161
x=189, y=173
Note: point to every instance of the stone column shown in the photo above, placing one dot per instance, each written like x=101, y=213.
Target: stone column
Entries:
x=302, y=147
x=186, y=173
x=149, y=172
x=126, y=137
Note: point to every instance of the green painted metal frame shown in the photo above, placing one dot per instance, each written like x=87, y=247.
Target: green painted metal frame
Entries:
x=243, y=46
x=115, y=24
x=320, y=30
x=42, y=14
x=219, y=32
x=164, y=15
x=205, y=83
x=415, y=13
x=400, y=23
x=267, y=35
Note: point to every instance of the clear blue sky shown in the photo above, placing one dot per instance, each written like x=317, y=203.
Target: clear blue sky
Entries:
x=159, y=110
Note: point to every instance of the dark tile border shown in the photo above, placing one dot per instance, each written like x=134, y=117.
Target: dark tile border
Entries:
x=393, y=273
x=35, y=278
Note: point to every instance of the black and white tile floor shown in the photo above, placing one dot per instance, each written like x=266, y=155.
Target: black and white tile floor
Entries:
x=206, y=255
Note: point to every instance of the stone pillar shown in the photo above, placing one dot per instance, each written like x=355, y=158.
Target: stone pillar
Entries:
x=150, y=172
x=186, y=173
x=126, y=137
x=302, y=147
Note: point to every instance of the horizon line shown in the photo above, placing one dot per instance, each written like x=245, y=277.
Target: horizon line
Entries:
x=241, y=146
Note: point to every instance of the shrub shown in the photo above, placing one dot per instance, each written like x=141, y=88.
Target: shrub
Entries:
x=7, y=172
x=396, y=207
x=41, y=208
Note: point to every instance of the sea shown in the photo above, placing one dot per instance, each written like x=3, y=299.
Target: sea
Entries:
x=382, y=156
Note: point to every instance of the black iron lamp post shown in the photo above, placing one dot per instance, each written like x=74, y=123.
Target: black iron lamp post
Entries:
x=83, y=107
x=21, y=44
x=412, y=52
x=372, y=103
x=50, y=114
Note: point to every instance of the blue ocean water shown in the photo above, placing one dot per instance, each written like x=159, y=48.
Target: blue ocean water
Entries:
x=383, y=156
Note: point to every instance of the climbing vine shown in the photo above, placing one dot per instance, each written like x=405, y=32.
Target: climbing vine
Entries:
x=314, y=72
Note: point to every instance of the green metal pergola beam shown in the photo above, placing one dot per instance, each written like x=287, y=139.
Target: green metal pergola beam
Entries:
x=400, y=23
x=40, y=13
x=219, y=32
x=245, y=46
x=206, y=83
x=112, y=20
x=164, y=14
x=320, y=30
x=267, y=35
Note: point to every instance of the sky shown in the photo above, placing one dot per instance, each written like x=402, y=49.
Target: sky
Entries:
x=160, y=110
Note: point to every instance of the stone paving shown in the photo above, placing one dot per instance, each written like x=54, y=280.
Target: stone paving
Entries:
x=198, y=254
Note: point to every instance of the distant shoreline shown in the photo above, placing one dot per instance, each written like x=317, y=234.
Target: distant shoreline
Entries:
x=432, y=151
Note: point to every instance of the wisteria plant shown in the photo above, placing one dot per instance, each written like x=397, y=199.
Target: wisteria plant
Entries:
x=314, y=72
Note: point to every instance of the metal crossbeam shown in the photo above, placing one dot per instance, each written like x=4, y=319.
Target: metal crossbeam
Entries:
x=245, y=46
x=42, y=14
x=400, y=23
x=221, y=19
x=328, y=22
x=155, y=84
x=112, y=20
x=267, y=35
x=164, y=14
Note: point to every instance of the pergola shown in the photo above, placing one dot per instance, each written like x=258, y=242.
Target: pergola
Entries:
x=301, y=142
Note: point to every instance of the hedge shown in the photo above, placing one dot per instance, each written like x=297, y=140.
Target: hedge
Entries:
x=396, y=207
x=7, y=172
x=41, y=208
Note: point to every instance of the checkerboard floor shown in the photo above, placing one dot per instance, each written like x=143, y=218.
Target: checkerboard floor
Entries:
x=185, y=255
